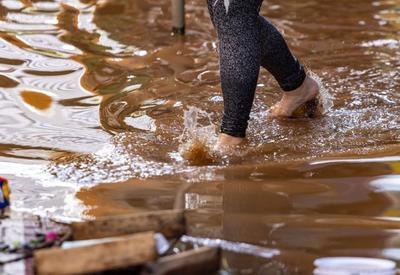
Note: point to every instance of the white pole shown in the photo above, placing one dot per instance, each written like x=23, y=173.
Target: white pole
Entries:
x=178, y=16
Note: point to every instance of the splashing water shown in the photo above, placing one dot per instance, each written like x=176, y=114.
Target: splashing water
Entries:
x=318, y=106
x=197, y=141
x=119, y=160
x=325, y=98
x=122, y=158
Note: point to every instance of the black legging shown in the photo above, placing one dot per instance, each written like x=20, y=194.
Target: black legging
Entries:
x=248, y=41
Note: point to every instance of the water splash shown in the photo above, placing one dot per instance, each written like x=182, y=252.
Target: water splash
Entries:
x=317, y=107
x=197, y=141
x=325, y=98
x=138, y=155
x=119, y=160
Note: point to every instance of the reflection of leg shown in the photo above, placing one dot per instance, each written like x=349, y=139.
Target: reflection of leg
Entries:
x=240, y=56
x=246, y=204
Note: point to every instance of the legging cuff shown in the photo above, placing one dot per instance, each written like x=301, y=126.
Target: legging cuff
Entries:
x=234, y=130
x=294, y=81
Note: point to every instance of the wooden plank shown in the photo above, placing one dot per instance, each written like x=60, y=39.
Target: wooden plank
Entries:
x=130, y=251
x=199, y=261
x=171, y=223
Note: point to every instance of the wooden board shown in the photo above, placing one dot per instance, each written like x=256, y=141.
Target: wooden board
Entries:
x=171, y=223
x=130, y=251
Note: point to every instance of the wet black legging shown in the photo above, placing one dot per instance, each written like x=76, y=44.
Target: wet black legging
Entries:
x=248, y=41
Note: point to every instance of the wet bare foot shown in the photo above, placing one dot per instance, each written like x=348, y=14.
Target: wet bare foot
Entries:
x=294, y=99
x=227, y=144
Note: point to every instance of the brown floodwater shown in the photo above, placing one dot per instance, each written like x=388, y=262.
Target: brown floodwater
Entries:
x=98, y=101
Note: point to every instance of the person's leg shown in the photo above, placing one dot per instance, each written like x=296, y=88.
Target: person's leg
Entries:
x=277, y=58
x=240, y=59
x=248, y=41
x=286, y=69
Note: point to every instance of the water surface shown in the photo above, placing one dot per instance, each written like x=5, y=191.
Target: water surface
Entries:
x=93, y=97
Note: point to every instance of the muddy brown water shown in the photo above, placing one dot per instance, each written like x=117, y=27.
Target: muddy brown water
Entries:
x=92, y=100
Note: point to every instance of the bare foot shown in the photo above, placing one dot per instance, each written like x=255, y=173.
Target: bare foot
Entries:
x=226, y=144
x=292, y=100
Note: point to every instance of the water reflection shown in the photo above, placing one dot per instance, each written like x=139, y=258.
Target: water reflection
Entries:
x=330, y=213
x=36, y=99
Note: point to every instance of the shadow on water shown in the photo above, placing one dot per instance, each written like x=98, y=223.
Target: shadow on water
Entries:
x=98, y=101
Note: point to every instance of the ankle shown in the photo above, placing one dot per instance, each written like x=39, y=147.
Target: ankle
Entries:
x=309, y=87
x=301, y=88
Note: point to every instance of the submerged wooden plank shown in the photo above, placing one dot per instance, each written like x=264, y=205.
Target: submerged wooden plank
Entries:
x=171, y=223
x=200, y=261
x=129, y=251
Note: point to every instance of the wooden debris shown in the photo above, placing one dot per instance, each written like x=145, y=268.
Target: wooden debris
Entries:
x=134, y=246
x=130, y=251
x=170, y=223
x=204, y=260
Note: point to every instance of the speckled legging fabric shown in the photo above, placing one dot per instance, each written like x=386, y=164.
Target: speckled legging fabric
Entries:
x=248, y=41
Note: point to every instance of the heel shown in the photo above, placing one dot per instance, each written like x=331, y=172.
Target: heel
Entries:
x=313, y=108
x=310, y=109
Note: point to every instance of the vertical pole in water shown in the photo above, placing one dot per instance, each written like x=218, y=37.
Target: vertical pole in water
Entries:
x=178, y=17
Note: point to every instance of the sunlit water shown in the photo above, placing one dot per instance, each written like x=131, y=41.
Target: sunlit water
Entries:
x=94, y=96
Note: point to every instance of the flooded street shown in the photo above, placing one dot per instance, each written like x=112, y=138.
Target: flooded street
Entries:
x=92, y=122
